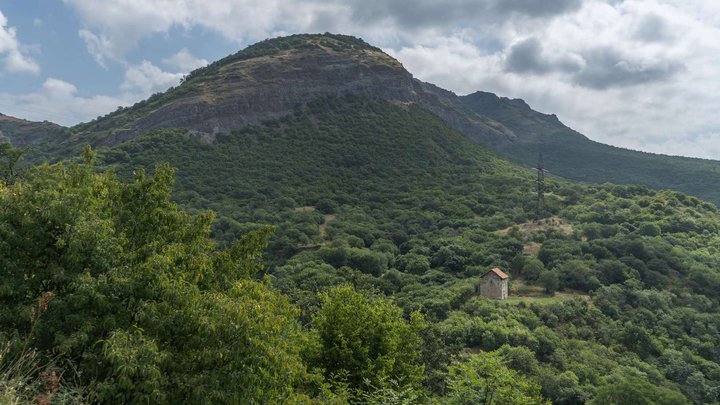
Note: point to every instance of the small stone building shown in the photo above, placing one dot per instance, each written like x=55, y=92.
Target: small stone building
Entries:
x=494, y=284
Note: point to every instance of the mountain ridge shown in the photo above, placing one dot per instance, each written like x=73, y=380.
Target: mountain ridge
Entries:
x=572, y=155
x=273, y=78
x=21, y=132
x=270, y=79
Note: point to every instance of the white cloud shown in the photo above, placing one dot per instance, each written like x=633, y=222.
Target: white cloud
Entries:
x=56, y=88
x=184, y=61
x=146, y=78
x=57, y=101
x=100, y=47
x=118, y=25
x=11, y=50
x=651, y=91
x=122, y=23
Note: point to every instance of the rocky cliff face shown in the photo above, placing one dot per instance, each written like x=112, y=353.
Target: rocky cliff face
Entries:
x=529, y=125
x=270, y=79
x=265, y=87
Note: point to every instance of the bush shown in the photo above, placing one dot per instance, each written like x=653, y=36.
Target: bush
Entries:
x=483, y=378
x=364, y=340
x=549, y=280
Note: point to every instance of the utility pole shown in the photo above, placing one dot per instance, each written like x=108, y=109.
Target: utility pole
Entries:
x=540, y=188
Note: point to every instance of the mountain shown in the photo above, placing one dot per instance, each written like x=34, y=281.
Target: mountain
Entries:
x=571, y=155
x=21, y=132
x=272, y=78
x=352, y=150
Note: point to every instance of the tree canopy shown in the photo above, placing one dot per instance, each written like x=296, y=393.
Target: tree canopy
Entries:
x=114, y=278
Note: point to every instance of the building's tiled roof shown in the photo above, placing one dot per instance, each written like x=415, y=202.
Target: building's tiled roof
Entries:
x=498, y=273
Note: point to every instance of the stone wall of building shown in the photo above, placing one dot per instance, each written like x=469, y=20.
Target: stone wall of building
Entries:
x=492, y=286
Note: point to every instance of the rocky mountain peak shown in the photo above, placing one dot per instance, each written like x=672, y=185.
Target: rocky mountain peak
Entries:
x=273, y=77
x=264, y=81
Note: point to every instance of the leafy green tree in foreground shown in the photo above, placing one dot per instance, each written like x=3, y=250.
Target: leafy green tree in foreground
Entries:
x=135, y=295
x=365, y=342
x=483, y=378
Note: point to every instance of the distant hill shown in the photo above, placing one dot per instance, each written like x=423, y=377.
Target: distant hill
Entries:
x=21, y=132
x=569, y=154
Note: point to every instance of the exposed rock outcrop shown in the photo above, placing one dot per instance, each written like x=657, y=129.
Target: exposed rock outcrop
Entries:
x=272, y=78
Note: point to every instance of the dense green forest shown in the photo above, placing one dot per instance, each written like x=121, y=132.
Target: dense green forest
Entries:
x=333, y=256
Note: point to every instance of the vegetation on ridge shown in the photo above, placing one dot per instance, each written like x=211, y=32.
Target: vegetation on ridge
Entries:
x=571, y=155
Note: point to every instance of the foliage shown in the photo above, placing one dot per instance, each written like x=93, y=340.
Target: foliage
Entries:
x=549, y=280
x=483, y=378
x=628, y=387
x=9, y=158
x=365, y=340
x=137, y=296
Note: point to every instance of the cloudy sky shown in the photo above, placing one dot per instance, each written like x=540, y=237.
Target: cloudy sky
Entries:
x=642, y=74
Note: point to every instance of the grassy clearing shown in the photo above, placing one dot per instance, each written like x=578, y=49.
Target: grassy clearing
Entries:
x=522, y=292
x=26, y=379
x=547, y=299
x=554, y=222
x=326, y=220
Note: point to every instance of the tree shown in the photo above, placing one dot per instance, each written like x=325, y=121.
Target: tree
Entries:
x=136, y=296
x=628, y=386
x=483, y=378
x=550, y=280
x=576, y=274
x=532, y=269
x=9, y=159
x=562, y=388
x=639, y=340
x=365, y=341
x=649, y=229
x=415, y=264
x=520, y=358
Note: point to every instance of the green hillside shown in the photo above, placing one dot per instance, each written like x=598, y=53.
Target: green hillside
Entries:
x=270, y=79
x=337, y=152
x=569, y=154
